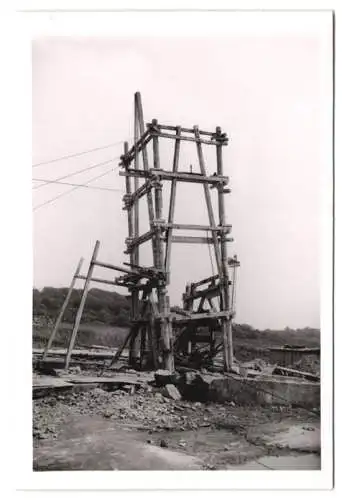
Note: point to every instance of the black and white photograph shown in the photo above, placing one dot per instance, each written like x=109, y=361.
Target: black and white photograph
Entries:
x=181, y=193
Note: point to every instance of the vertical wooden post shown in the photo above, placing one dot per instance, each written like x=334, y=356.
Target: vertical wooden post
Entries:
x=163, y=299
x=172, y=206
x=140, y=119
x=226, y=322
x=233, y=287
x=142, y=345
x=208, y=200
x=136, y=328
x=166, y=330
x=133, y=350
x=81, y=306
x=152, y=331
x=212, y=342
x=135, y=255
x=63, y=309
x=133, y=230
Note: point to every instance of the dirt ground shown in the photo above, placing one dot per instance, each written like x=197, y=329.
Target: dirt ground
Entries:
x=174, y=434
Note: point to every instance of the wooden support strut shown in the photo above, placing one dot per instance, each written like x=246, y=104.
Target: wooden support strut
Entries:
x=128, y=193
x=97, y=280
x=118, y=352
x=196, y=227
x=62, y=311
x=208, y=202
x=130, y=200
x=185, y=138
x=114, y=268
x=81, y=306
x=163, y=299
x=134, y=242
x=197, y=239
x=207, y=293
x=195, y=316
x=139, y=144
x=172, y=208
x=150, y=208
x=211, y=279
x=226, y=322
x=180, y=176
x=135, y=256
x=133, y=351
x=133, y=217
x=179, y=129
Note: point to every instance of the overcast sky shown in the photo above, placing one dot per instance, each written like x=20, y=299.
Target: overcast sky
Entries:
x=265, y=92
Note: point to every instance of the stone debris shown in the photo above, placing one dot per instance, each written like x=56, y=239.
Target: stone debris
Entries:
x=147, y=410
x=164, y=377
x=75, y=370
x=189, y=427
x=152, y=406
x=129, y=388
x=170, y=391
x=209, y=467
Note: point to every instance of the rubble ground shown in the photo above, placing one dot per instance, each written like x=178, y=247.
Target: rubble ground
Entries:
x=217, y=433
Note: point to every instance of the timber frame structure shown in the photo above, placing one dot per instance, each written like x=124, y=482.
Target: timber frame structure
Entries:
x=159, y=336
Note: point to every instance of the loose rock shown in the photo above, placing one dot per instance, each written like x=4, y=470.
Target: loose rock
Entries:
x=163, y=377
x=172, y=392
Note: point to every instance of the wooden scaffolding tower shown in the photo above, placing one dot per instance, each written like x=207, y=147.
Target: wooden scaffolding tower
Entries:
x=153, y=322
x=157, y=332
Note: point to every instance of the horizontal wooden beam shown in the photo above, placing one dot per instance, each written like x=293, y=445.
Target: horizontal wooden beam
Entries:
x=114, y=268
x=233, y=263
x=142, y=269
x=195, y=239
x=200, y=316
x=182, y=129
x=197, y=227
x=188, y=138
x=179, y=176
x=209, y=293
x=126, y=284
x=99, y=280
x=204, y=281
x=146, y=287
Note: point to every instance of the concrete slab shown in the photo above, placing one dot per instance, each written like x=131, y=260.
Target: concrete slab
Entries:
x=46, y=381
x=115, y=380
x=272, y=390
x=45, y=385
x=81, y=353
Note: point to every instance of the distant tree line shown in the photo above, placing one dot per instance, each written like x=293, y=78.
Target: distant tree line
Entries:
x=101, y=306
x=114, y=309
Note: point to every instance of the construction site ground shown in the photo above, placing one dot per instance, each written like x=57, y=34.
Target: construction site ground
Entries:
x=136, y=427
